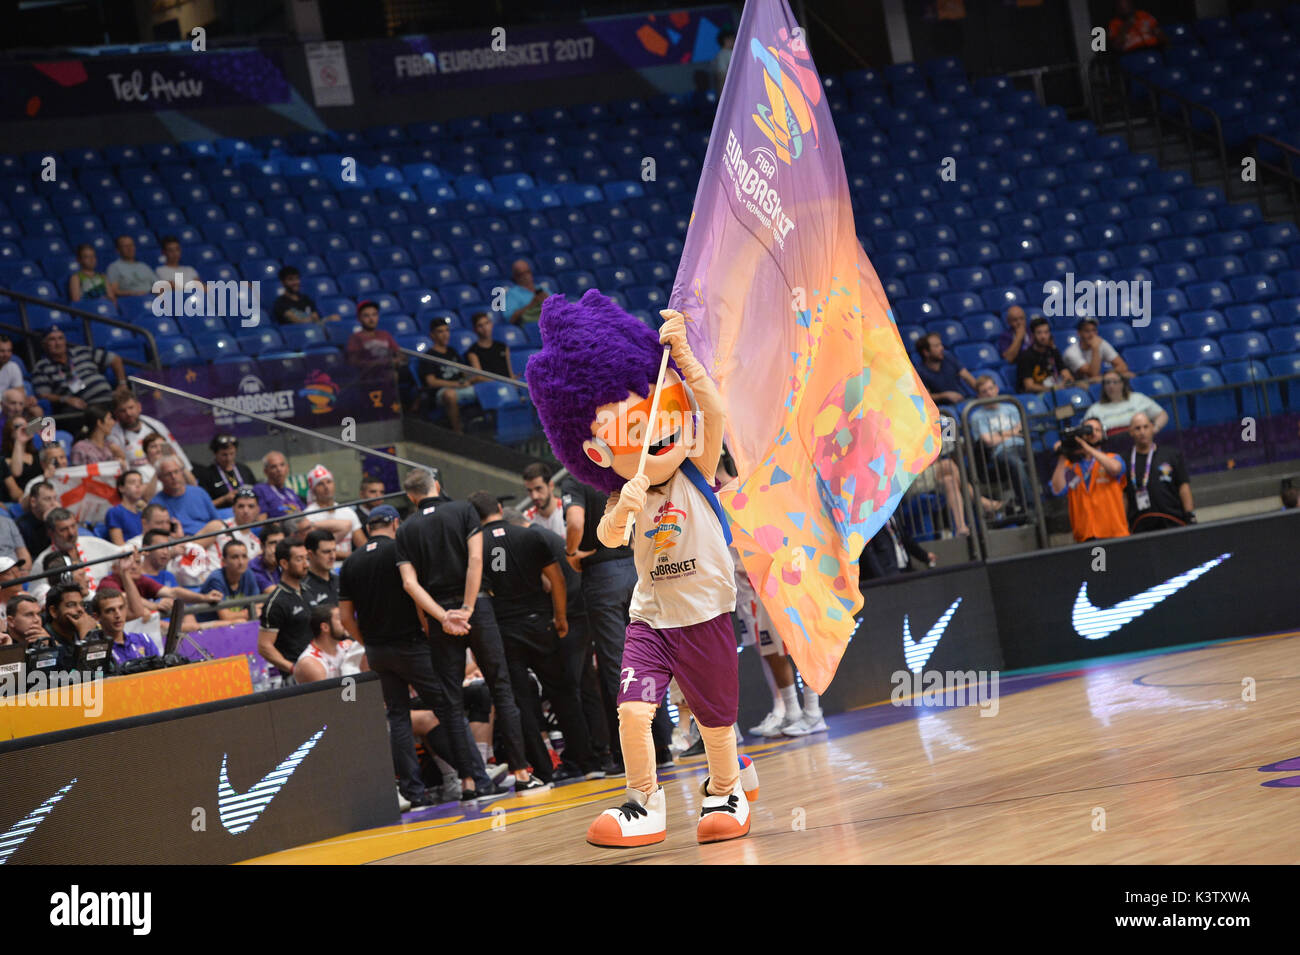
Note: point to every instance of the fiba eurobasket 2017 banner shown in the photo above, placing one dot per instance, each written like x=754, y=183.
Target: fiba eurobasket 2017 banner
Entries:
x=529, y=53
x=305, y=392
x=95, y=85
x=826, y=417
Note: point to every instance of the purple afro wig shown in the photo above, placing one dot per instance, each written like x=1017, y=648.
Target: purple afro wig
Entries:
x=592, y=353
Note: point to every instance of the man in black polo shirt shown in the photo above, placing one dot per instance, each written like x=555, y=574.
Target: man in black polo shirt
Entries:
x=440, y=558
x=1158, y=494
x=533, y=623
x=320, y=586
x=608, y=579
x=286, y=616
x=378, y=613
x=576, y=648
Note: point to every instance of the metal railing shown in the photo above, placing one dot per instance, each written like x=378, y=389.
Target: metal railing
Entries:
x=1288, y=174
x=87, y=319
x=1010, y=478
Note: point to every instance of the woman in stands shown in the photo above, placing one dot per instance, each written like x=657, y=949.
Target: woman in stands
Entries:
x=95, y=448
x=1119, y=403
x=86, y=282
x=19, y=466
x=486, y=354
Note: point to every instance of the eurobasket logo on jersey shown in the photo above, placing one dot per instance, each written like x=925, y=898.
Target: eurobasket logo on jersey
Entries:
x=669, y=522
x=320, y=392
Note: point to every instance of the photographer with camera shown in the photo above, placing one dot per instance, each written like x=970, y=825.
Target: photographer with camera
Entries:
x=1093, y=480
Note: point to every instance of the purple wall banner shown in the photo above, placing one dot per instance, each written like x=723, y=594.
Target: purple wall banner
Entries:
x=420, y=64
x=96, y=85
x=313, y=392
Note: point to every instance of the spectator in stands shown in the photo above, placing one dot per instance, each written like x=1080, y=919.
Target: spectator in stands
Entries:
x=1158, y=494
x=188, y=504
x=946, y=380
x=171, y=271
x=189, y=563
x=330, y=653
x=127, y=274
x=545, y=509
x=78, y=548
x=133, y=430
x=293, y=306
x=296, y=528
x=123, y=519
x=66, y=620
x=11, y=375
x=999, y=430
x=276, y=499
x=721, y=62
x=53, y=459
x=445, y=384
x=1094, y=482
x=533, y=620
x=486, y=354
x=72, y=376
x=1040, y=366
x=342, y=522
x=233, y=579
x=371, y=489
x=1091, y=354
x=95, y=447
x=23, y=616
x=440, y=558
x=150, y=573
x=321, y=585
x=1132, y=29
x=225, y=475
x=16, y=401
x=523, y=299
x=109, y=609
x=19, y=465
x=1119, y=403
x=373, y=351
x=12, y=545
x=86, y=283
x=1016, y=338
x=285, y=628
x=244, y=512
x=40, y=500
x=264, y=568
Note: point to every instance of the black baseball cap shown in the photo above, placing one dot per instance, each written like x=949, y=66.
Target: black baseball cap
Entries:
x=438, y=321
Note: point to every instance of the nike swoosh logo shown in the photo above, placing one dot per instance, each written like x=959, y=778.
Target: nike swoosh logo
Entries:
x=19, y=831
x=1093, y=623
x=918, y=654
x=239, y=812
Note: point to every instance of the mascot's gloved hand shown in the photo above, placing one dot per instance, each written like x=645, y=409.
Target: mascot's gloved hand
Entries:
x=630, y=501
x=673, y=334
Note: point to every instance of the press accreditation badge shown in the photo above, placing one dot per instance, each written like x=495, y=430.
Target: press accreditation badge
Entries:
x=1143, y=497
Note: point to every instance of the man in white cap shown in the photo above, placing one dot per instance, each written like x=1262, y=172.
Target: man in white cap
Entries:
x=342, y=522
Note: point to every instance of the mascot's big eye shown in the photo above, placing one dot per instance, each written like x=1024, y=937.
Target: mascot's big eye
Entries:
x=598, y=452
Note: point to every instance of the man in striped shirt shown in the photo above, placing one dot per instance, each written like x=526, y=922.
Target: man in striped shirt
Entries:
x=72, y=376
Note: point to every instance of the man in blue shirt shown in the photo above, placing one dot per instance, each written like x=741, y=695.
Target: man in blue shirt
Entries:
x=188, y=504
x=234, y=579
x=946, y=380
x=998, y=429
x=109, y=608
x=523, y=299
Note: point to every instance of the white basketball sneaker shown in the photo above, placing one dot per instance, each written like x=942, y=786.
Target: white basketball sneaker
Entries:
x=811, y=723
x=641, y=821
x=791, y=725
x=723, y=817
x=770, y=723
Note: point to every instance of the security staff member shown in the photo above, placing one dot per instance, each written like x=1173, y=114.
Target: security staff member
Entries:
x=533, y=623
x=286, y=616
x=440, y=558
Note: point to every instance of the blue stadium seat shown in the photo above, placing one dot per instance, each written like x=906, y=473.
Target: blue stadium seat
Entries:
x=1245, y=345
x=976, y=355
x=1208, y=295
x=1254, y=288
x=961, y=303
x=1203, y=323
x=1252, y=398
x=915, y=311
x=257, y=341
x=1145, y=358
x=1197, y=351
x=1213, y=407
x=982, y=327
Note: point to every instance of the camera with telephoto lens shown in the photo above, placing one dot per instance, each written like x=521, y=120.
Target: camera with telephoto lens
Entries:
x=1070, y=438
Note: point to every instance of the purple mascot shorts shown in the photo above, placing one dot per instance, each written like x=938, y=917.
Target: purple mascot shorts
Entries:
x=703, y=659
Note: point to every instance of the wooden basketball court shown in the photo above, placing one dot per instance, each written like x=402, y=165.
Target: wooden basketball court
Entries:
x=1153, y=758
